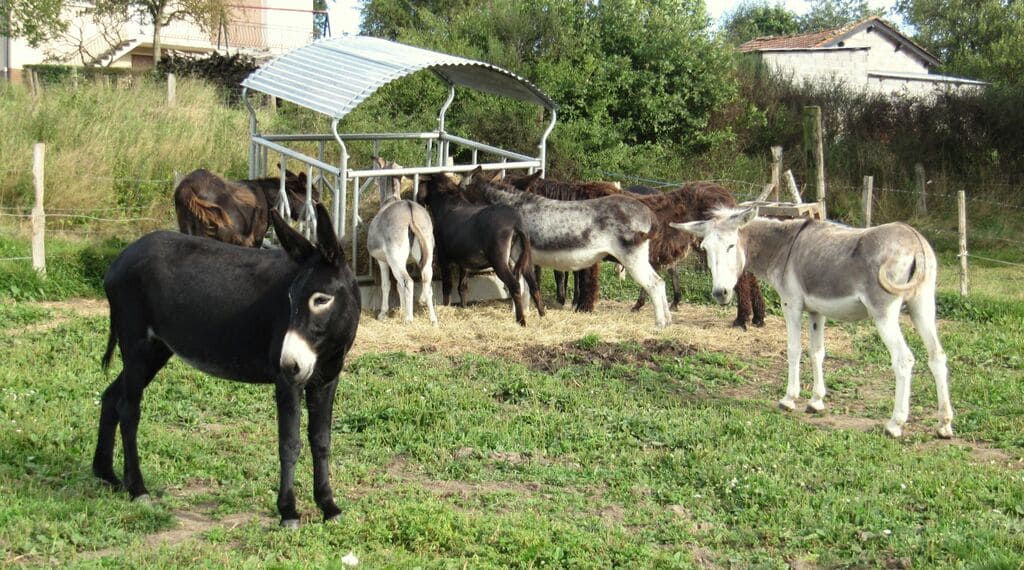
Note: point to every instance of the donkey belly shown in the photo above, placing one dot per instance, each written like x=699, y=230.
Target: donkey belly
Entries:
x=567, y=259
x=847, y=308
x=219, y=359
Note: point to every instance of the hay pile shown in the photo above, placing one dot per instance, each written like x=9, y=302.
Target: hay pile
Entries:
x=488, y=328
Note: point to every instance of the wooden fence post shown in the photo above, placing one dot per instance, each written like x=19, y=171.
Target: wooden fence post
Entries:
x=38, y=216
x=776, y=172
x=172, y=88
x=814, y=151
x=791, y=185
x=867, y=197
x=961, y=204
x=922, y=201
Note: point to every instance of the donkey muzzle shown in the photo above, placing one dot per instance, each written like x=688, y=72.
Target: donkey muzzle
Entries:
x=721, y=296
x=297, y=358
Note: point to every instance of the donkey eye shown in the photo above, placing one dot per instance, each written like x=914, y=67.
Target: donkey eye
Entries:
x=731, y=245
x=320, y=301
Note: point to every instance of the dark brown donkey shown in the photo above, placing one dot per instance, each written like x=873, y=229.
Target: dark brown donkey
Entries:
x=234, y=212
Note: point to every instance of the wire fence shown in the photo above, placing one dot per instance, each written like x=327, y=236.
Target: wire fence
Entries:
x=126, y=222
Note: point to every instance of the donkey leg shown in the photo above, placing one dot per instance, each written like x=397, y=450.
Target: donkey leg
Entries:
x=145, y=360
x=427, y=290
x=757, y=301
x=103, y=459
x=385, y=289
x=533, y=287
x=794, y=317
x=463, y=286
x=743, y=301
x=922, y=312
x=641, y=299
x=504, y=272
x=288, y=397
x=816, y=341
x=642, y=272
x=561, y=284
x=405, y=288
x=888, y=324
x=320, y=403
x=677, y=293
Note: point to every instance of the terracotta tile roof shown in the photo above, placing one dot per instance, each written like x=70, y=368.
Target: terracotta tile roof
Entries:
x=808, y=40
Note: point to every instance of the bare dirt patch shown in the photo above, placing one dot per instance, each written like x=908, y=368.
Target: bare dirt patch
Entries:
x=605, y=354
x=64, y=311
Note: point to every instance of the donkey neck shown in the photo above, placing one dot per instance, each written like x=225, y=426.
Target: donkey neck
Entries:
x=769, y=244
x=495, y=195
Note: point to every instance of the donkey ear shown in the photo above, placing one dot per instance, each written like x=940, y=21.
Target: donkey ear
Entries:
x=295, y=245
x=378, y=162
x=326, y=239
x=496, y=176
x=529, y=180
x=468, y=178
x=742, y=217
x=699, y=229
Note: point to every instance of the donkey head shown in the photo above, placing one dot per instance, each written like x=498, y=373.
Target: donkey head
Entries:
x=390, y=186
x=473, y=182
x=324, y=302
x=295, y=189
x=725, y=250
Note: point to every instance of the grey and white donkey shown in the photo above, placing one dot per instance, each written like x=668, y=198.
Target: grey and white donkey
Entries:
x=830, y=270
x=398, y=224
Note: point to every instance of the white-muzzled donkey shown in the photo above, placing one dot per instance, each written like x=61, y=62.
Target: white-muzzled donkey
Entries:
x=830, y=270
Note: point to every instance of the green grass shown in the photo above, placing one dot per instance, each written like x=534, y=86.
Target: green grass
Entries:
x=451, y=461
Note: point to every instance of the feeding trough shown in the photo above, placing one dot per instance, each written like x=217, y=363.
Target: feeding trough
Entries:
x=333, y=76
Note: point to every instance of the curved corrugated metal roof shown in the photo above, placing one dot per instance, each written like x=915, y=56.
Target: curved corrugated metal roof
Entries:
x=334, y=75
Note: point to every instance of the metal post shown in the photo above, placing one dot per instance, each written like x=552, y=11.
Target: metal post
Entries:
x=252, y=133
x=961, y=203
x=38, y=215
x=867, y=197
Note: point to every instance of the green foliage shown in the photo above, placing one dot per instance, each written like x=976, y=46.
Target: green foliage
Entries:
x=224, y=71
x=629, y=80
x=34, y=20
x=756, y=18
x=827, y=14
x=961, y=138
x=51, y=74
x=980, y=39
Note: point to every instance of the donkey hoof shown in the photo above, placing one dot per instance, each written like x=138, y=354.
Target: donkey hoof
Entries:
x=290, y=524
x=894, y=430
x=143, y=499
x=815, y=406
x=945, y=431
x=787, y=404
x=381, y=316
x=333, y=519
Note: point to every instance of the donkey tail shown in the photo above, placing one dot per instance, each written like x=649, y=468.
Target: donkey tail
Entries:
x=111, y=343
x=525, y=262
x=418, y=232
x=208, y=214
x=917, y=277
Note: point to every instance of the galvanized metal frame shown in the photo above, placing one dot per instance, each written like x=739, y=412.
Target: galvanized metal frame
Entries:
x=347, y=184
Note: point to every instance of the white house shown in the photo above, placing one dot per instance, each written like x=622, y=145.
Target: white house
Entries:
x=869, y=54
x=257, y=27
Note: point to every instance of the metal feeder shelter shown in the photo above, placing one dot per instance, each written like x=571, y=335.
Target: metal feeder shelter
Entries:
x=334, y=75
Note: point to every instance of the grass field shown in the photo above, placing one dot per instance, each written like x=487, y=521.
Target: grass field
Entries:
x=581, y=441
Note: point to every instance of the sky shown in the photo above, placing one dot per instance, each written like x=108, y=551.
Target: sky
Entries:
x=345, y=13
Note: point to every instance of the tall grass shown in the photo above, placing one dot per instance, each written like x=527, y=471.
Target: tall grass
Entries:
x=115, y=146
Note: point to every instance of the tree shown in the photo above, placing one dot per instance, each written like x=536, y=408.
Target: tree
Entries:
x=37, y=21
x=827, y=14
x=981, y=39
x=208, y=14
x=756, y=19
